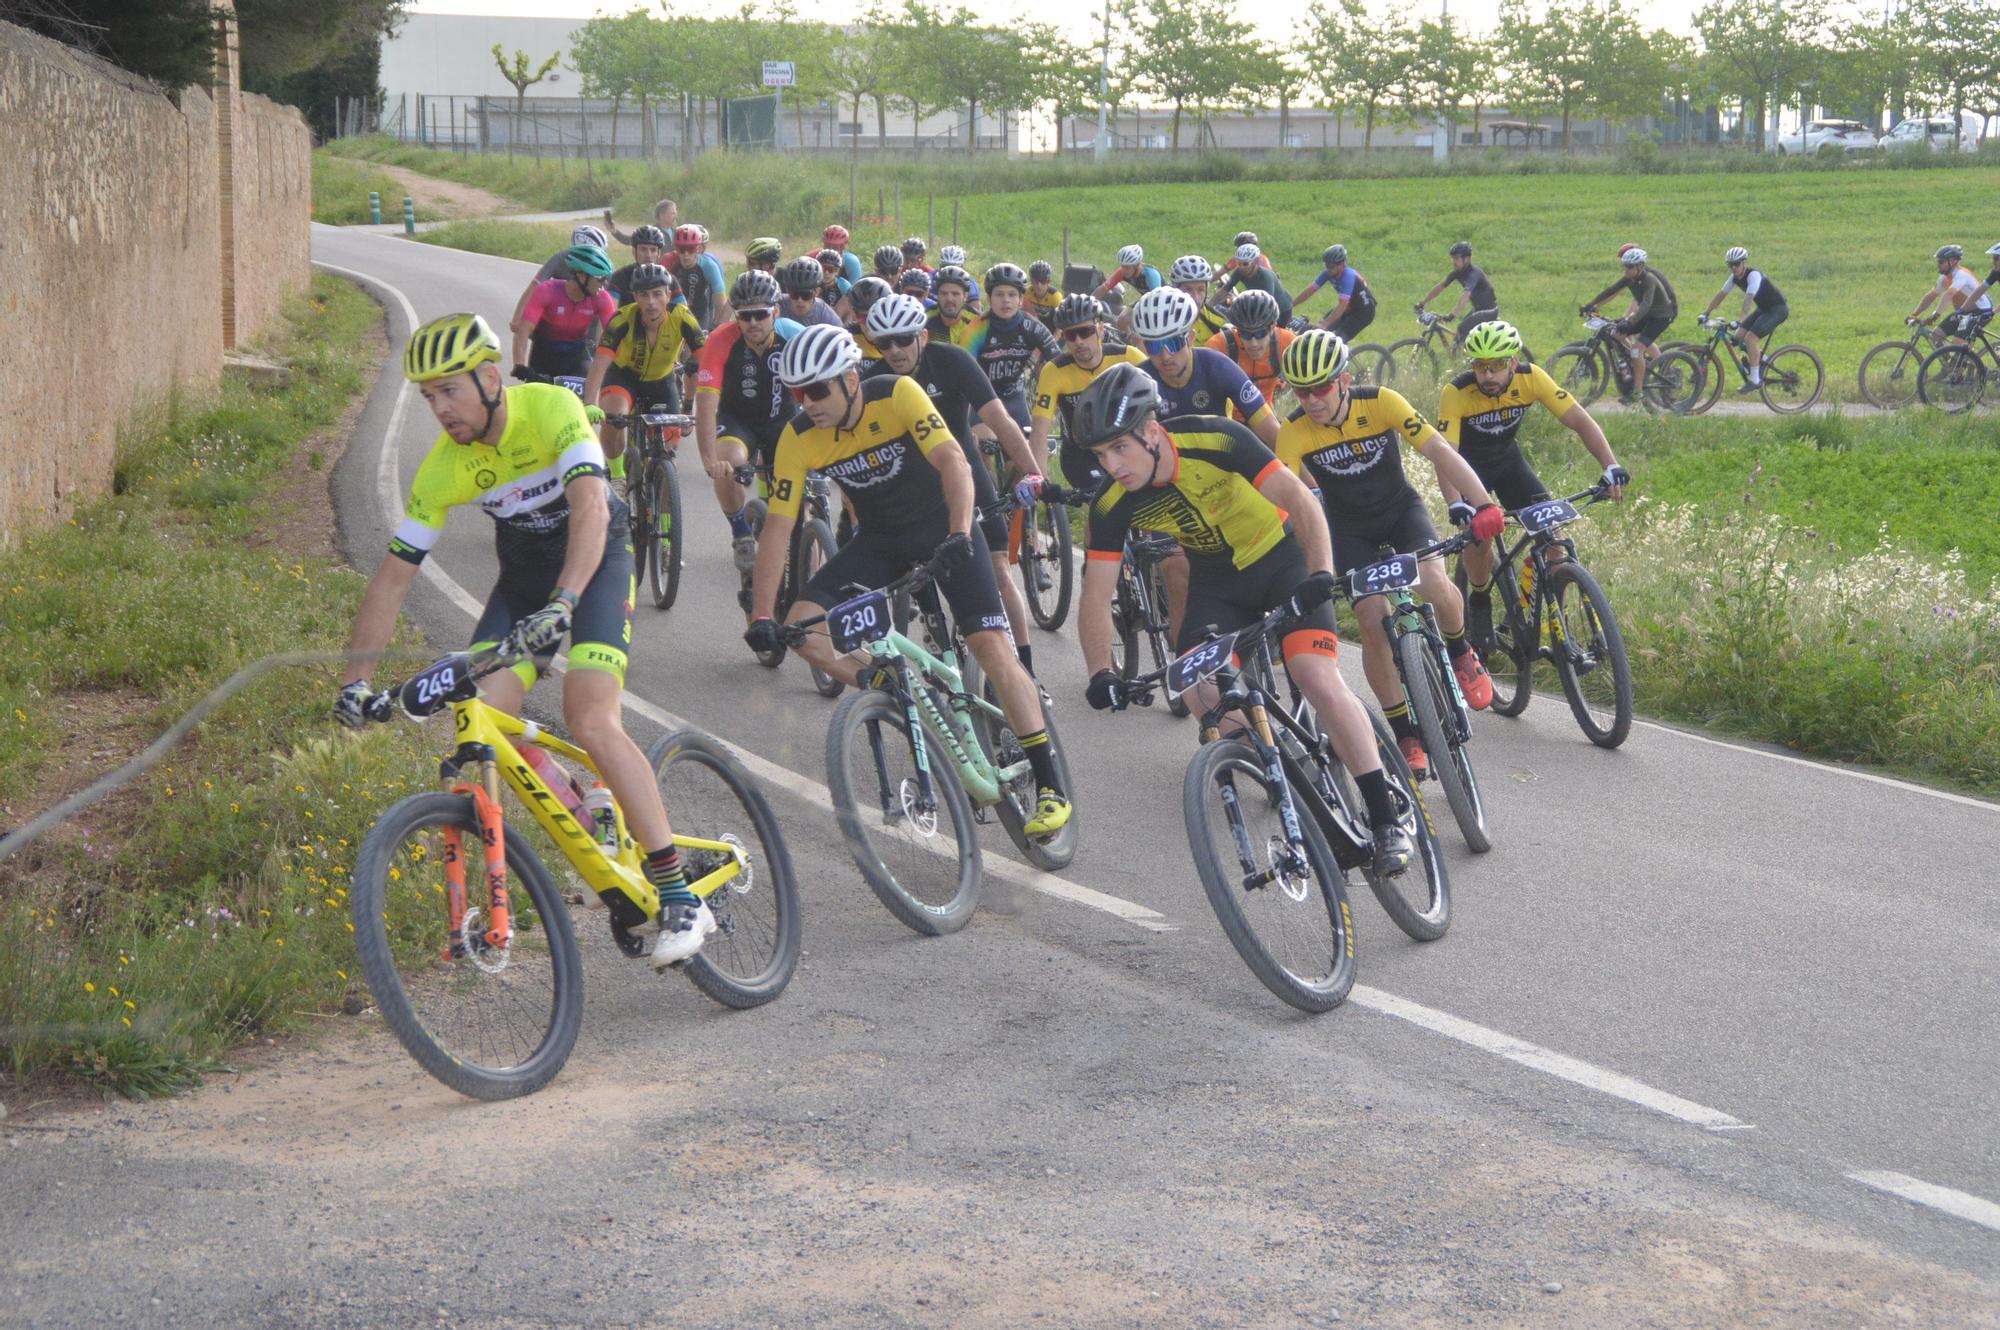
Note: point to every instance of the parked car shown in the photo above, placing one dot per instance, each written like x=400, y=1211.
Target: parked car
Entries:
x=1934, y=132
x=1827, y=135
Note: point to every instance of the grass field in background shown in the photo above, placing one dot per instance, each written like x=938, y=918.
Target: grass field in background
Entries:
x=340, y=188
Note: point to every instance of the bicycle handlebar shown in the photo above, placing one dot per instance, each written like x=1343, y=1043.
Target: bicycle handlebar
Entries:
x=684, y=424
x=382, y=706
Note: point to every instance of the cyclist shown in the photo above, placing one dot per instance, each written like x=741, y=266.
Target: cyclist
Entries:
x=1653, y=309
x=1086, y=351
x=835, y=238
x=666, y=216
x=916, y=283
x=1132, y=271
x=800, y=281
x=557, y=266
x=1480, y=414
x=962, y=394
x=888, y=263
x=562, y=315
x=1007, y=342
x=1250, y=275
x=1191, y=273
x=1193, y=380
x=1226, y=498
x=699, y=275
x=1992, y=278
x=636, y=356
x=1758, y=323
x=953, y=256
x=1343, y=440
x=1245, y=238
x=763, y=254
x=914, y=250
x=527, y=456
x=739, y=405
x=1253, y=341
x=1963, y=307
x=954, y=315
x=892, y=455
x=1354, y=300
x=859, y=301
x=833, y=284
x=649, y=246
x=1042, y=295
x=1475, y=290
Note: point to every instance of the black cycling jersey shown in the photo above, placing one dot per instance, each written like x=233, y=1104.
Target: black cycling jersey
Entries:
x=1473, y=279
x=953, y=381
x=746, y=382
x=1762, y=289
x=700, y=295
x=620, y=283
x=1005, y=348
x=1653, y=294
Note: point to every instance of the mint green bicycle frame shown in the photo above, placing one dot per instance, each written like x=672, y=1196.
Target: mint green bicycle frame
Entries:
x=982, y=780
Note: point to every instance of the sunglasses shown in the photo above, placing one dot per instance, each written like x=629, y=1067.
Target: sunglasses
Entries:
x=814, y=392
x=896, y=342
x=1321, y=391
x=1165, y=346
x=1079, y=334
x=752, y=315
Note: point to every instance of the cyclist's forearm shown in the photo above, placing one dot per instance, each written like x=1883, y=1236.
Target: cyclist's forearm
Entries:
x=520, y=331
x=1093, y=614
x=375, y=623
x=1038, y=445
x=1456, y=478
x=774, y=545
x=704, y=426
x=1432, y=294
x=593, y=382
x=955, y=474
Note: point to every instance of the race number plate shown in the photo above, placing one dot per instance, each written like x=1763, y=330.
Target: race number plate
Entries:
x=1389, y=575
x=1198, y=664
x=855, y=623
x=440, y=683
x=1542, y=516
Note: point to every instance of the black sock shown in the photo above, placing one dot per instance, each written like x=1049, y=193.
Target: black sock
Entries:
x=1456, y=644
x=663, y=870
x=1027, y=655
x=1374, y=787
x=1036, y=746
x=1399, y=720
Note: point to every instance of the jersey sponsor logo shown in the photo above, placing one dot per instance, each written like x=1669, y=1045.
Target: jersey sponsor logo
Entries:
x=866, y=470
x=485, y=478
x=1498, y=421
x=1350, y=457
x=1199, y=399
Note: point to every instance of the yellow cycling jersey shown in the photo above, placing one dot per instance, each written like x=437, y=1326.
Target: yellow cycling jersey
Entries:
x=956, y=332
x=1485, y=427
x=1356, y=464
x=651, y=358
x=881, y=464
x=1210, y=502
x=1042, y=303
x=869, y=351
x=1062, y=378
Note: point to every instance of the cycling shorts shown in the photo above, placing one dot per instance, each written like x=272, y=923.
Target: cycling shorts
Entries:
x=551, y=357
x=1647, y=330
x=1965, y=322
x=971, y=592
x=1764, y=322
x=759, y=441
x=1356, y=544
x=1358, y=316
x=624, y=392
x=1509, y=479
x=1223, y=598
x=600, y=628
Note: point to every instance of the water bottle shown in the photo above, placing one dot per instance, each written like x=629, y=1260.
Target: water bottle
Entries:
x=599, y=806
x=559, y=781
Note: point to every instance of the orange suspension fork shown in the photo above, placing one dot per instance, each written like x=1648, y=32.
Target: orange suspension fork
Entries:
x=493, y=842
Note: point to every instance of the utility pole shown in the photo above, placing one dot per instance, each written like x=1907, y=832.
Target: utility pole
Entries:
x=1101, y=147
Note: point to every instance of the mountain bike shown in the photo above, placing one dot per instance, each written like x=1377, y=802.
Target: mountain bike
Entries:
x=1039, y=542
x=653, y=495
x=1953, y=378
x=910, y=820
x=1139, y=608
x=1587, y=368
x=1414, y=363
x=1277, y=879
x=1437, y=704
x=1793, y=375
x=1888, y=374
x=813, y=544
x=1554, y=610
x=482, y=980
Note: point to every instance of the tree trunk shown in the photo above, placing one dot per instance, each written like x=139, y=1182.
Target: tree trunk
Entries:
x=881, y=125
x=1177, y=127
x=512, y=138
x=854, y=154
x=972, y=126
x=615, y=100
x=1565, y=131
x=1284, y=118
x=722, y=123
x=1368, y=130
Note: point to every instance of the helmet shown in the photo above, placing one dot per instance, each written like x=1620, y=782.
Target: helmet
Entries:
x=833, y=235
x=754, y=289
x=590, y=235
x=1495, y=339
x=1462, y=250
x=1736, y=254
x=952, y=255
x=1041, y=271
x=894, y=316
x=687, y=236
x=1632, y=257
x=1247, y=253
x=1334, y=254
x=888, y=261
x=957, y=276
x=1190, y=268
x=587, y=261
x=454, y=344
x=1117, y=402
x=914, y=248
x=649, y=277
x=648, y=235
x=818, y=353
x=1950, y=252
x=1254, y=311
x=1077, y=310
x=702, y=232
x=1164, y=311
x=1995, y=251
x=763, y=249
x=866, y=292
x=1626, y=248
x=802, y=276
x=829, y=258
x=1006, y=274
x=914, y=279
x=1130, y=255
x=1315, y=357
x=1245, y=238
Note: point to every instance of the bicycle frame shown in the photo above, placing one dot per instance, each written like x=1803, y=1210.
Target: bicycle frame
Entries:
x=982, y=780
x=1240, y=694
x=1539, y=561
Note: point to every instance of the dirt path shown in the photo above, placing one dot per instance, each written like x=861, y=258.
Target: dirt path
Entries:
x=448, y=198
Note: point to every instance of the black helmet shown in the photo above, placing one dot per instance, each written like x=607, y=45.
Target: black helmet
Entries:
x=865, y=293
x=915, y=248
x=915, y=279
x=649, y=235
x=754, y=288
x=650, y=277
x=1254, y=311
x=1117, y=402
x=1334, y=254
x=1006, y=274
x=802, y=276
x=1245, y=238
x=1040, y=271
x=957, y=276
x=1077, y=310
x=888, y=261
x=1462, y=250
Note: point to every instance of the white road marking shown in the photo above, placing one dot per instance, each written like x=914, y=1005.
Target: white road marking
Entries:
x=1957, y=1204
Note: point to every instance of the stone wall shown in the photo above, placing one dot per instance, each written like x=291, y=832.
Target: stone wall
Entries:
x=273, y=210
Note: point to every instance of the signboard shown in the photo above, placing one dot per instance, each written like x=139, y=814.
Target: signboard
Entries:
x=780, y=73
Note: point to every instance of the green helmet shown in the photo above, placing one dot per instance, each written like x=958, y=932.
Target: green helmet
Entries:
x=587, y=261
x=1495, y=339
x=1315, y=356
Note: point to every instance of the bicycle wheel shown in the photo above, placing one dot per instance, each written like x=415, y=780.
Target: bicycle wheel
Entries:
x=1127, y=622
x=813, y=548
x=1578, y=370
x=1432, y=706
x=754, y=950
x=923, y=863
x=1295, y=931
x=1589, y=655
x=666, y=565
x=1370, y=364
x=1051, y=854
x=1418, y=899
x=1047, y=574
x=1713, y=372
x=1952, y=379
x=1793, y=379
x=490, y=1024
x=1674, y=383
x=1888, y=375
x=1156, y=633
x=1511, y=669
x=639, y=511
x=1412, y=365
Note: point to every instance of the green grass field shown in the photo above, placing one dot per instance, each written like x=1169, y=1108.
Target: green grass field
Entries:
x=340, y=190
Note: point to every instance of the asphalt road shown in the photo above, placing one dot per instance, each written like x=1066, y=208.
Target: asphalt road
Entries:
x=1710, y=1042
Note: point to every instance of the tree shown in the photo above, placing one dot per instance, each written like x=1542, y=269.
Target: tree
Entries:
x=1362, y=62
x=1061, y=74
x=1192, y=49
x=1759, y=52
x=858, y=64
x=1869, y=67
x=1960, y=66
x=607, y=54
x=1447, y=70
x=283, y=37
x=1581, y=58
x=517, y=74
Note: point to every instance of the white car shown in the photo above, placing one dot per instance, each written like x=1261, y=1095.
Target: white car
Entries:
x=1821, y=135
x=1934, y=132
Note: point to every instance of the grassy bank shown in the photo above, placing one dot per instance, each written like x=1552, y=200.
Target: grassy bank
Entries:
x=205, y=902
x=340, y=188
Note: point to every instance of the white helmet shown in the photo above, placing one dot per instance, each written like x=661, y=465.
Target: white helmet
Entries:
x=1247, y=253
x=1131, y=255
x=1632, y=257
x=1190, y=268
x=893, y=316
x=1737, y=254
x=1994, y=251
x=951, y=255
x=818, y=353
x=1164, y=311
x=589, y=235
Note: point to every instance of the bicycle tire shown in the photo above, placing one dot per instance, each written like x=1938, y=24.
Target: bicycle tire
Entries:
x=1608, y=644
x=1427, y=919
x=640, y=526
x=1952, y=379
x=1369, y=363
x=1156, y=634
x=1578, y=370
x=1713, y=373
x=847, y=738
x=1051, y=854
x=1332, y=959
x=1673, y=383
x=1797, y=374
x=1413, y=365
x=814, y=547
x=666, y=566
x=727, y=968
x=1888, y=375
x=1046, y=571
x=1430, y=705
x=1125, y=627
x=374, y=914
x=1511, y=670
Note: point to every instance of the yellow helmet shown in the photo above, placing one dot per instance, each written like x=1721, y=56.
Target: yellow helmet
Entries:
x=1315, y=356
x=454, y=344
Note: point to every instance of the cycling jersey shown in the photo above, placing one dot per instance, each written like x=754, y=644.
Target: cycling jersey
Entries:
x=1484, y=428
x=818, y=312
x=746, y=382
x=1262, y=279
x=1143, y=278
x=1005, y=348
x=850, y=267
x=959, y=390
x=702, y=281
x=1652, y=294
x=1215, y=385
x=1758, y=287
x=1062, y=379
x=1964, y=283
x=882, y=465
x=1209, y=502
x=1355, y=463
x=1207, y=323
x=619, y=284
x=1262, y=371
x=554, y=315
x=1477, y=287
x=956, y=332
x=1043, y=305
x=650, y=356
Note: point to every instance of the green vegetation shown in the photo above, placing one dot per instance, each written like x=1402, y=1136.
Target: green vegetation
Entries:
x=340, y=188
x=205, y=902
x=531, y=242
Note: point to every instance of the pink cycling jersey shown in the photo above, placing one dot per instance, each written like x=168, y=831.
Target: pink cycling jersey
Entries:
x=553, y=315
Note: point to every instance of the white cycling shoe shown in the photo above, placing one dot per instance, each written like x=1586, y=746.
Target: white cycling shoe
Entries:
x=682, y=934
